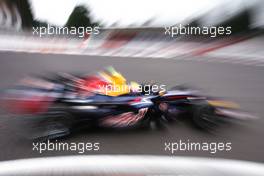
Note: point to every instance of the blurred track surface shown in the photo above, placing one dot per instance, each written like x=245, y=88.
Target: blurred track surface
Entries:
x=243, y=84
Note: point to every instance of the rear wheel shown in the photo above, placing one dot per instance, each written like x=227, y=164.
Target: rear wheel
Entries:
x=54, y=124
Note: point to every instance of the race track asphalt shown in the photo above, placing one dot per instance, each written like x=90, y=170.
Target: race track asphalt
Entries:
x=243, y=84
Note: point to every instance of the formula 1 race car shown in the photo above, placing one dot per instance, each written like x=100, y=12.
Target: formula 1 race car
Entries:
x=64, y=102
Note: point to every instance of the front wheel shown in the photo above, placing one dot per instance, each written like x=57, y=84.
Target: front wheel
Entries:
x=204, y=117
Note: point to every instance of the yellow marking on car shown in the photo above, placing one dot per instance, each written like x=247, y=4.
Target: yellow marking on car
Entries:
x=224, y=104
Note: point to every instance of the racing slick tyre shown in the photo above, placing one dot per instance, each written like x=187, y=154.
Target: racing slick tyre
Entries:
x=54, y=126
x=204, y=117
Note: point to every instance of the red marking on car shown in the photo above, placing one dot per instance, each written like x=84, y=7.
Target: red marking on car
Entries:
x=32, y=105
x=174, y=97
x=124, y=119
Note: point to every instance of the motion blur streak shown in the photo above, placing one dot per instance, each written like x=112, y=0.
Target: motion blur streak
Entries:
x=236, y=82
x=229, y=66
x=133, y=166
